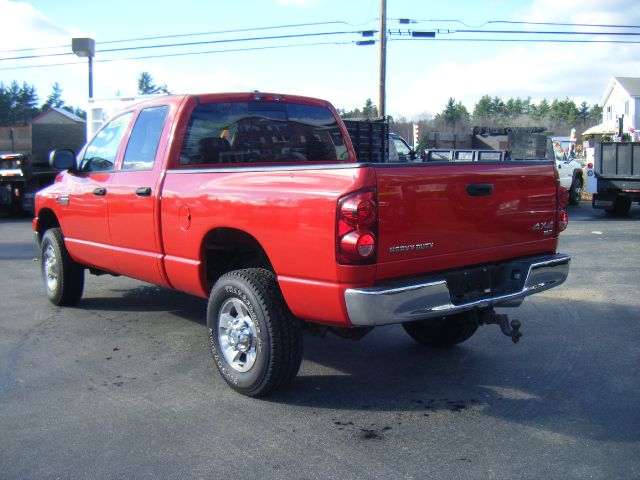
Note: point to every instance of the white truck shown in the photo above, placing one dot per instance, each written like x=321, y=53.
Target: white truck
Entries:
x=569, y=170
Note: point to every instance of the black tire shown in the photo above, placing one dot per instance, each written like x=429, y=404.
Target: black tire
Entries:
x=443, y=332
x=621, y=206
x=255, y=341
x=63, y=278
x=575, y=192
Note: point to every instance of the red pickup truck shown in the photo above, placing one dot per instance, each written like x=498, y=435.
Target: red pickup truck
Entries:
x=258, y=202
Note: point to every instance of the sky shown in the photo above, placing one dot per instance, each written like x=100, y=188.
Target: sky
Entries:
x=316, y=60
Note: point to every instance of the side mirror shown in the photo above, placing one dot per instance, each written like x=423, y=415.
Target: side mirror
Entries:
x=63, y=159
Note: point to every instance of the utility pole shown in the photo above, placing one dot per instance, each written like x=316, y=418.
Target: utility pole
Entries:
x=383, y=56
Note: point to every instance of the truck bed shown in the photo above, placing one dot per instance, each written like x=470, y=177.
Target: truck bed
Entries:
x=618, y=160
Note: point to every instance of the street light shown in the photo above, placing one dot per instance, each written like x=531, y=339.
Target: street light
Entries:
x=85, y=47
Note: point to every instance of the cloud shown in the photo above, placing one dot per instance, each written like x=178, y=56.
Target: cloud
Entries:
x=22, y=17
x=121, y=77
x=580, y=71
x=25, y=27
x=620, y=12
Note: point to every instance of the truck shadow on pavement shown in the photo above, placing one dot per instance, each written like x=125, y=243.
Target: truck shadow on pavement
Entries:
x=568, y=386
x=543, y=383
x=148, y=298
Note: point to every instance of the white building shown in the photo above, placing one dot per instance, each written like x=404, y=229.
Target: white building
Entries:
x=622, y=99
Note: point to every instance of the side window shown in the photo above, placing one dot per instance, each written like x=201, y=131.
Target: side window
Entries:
x=464, y=156
x=401, y=147
x=144, y=139
x=100, y=155
x=490, y=156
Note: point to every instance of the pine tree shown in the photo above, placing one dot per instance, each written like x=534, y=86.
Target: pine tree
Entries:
x=453, y=112
x=147, y=87
x=54, y=99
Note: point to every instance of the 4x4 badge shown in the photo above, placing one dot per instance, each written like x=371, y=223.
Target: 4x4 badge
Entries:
x=545, y=227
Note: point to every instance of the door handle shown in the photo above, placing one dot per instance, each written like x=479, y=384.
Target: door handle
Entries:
x=480, y=189
x=143, y=191
x=100, y=191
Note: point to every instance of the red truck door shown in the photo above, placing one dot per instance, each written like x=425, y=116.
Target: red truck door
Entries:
x=133, y=200
x=86, y=224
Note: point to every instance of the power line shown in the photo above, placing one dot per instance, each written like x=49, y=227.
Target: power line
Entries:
x=248, y=49
x=539, y=32
x=239, y=30
x=514, y=22
x=183, y=54
x=560, y=24
x=305, y=35
x=334, y=22
x=514, y=40
x=179, y=35
x=187, y=44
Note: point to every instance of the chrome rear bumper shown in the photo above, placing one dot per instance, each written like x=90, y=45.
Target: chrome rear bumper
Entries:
x=422, y=300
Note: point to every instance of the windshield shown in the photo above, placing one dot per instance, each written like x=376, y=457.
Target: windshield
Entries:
x=262, y=132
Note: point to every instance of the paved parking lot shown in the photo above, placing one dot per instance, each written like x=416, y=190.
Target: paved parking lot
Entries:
x=122, y=386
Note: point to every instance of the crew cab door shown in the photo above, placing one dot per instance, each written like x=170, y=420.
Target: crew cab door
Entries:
x=84, y=205
x=133, y=200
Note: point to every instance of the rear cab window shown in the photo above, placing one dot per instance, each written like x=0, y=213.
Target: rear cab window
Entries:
x=261, y=132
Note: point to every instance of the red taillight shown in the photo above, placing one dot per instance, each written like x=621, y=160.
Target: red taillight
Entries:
x=357, y=210
x=563, y=201
x=356, y=229
x=563, y=221
x=358, y=245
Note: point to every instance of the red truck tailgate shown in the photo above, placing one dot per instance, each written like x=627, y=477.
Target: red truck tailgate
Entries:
x=442, y=216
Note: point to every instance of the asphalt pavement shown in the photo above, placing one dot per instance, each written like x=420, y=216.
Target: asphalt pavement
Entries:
x=123, y=386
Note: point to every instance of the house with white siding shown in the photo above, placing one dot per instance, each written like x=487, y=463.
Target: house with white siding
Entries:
x=621, y=99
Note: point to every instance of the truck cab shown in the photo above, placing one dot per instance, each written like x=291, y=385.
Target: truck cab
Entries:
x=399, y=149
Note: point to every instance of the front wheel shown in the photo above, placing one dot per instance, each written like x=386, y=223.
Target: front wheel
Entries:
x=575, y=191
x=255, y=341
x=443, y=332
x=63, y=278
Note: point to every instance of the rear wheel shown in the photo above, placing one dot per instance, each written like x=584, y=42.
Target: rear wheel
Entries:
x=255, y=341
x=621, y=206
x=575, y=192
x=63, y=278
x=445, y=331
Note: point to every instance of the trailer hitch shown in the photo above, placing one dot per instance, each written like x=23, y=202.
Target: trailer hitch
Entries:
x=510, y=329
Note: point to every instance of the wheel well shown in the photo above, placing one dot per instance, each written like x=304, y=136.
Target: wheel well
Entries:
x=227, y=249
x=46, y=220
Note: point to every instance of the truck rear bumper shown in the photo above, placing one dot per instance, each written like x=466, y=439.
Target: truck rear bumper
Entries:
x=413, y=301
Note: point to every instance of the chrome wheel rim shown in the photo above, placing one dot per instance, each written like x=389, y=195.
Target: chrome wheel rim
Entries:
x=51, y=270
x=578, y=190
x=237, y=336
